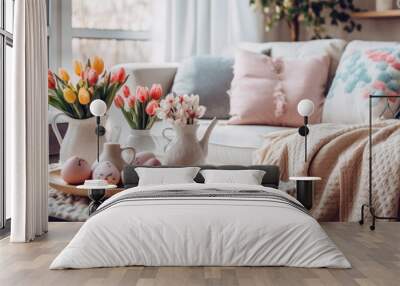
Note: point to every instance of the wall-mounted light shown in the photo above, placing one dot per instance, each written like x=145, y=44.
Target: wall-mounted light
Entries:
x=305, y=108
x=98, y=108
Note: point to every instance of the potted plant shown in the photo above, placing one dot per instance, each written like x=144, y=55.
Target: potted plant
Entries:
x=139, y=110
x=312, y=14
x=73, y=100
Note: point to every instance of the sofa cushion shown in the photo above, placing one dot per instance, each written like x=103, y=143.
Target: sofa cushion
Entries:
x=332, y=47
x=266, y=90
x=209, y=77
x=365, y=68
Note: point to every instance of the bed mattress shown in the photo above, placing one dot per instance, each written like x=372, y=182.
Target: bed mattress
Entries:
x=201, y=225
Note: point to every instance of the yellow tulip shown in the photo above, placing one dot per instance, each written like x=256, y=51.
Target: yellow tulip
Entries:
x=97, y=64
x=83, y=96
x=78, y=67
x=69, y=95
x=63, y=74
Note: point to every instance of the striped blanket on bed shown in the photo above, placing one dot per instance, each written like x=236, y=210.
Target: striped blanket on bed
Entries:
x=204, y=194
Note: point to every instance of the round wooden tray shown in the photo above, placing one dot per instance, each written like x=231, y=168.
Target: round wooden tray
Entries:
x=56, y=182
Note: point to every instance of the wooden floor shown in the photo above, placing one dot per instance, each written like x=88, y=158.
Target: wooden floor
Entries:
x=375, y=257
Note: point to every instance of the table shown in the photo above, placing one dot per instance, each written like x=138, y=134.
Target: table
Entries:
x=305, y=190
x=96, y=195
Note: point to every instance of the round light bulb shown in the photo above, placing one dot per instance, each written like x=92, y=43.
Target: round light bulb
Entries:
x=305, y=107
x=98, y=107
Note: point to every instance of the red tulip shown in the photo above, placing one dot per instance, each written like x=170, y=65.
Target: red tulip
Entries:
x=126, y=91
x=51, y=83
x=142, y=93
x=92, y=77
x=119, y=101
x=114, y=78
x=156, y=91
x=131, y=101
x=121, y=74
x=151, y=108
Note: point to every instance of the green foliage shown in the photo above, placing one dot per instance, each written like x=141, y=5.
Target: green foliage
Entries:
x=313, y=14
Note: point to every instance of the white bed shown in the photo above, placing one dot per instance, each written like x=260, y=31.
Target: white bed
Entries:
x=245, y=227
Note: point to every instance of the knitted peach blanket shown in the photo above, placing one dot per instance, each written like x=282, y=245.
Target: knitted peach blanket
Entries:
x=339, y=155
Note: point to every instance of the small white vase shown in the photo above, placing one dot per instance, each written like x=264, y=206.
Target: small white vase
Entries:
x=384, y=5
x=141, y=140
x=79, y=140
x=113, y=152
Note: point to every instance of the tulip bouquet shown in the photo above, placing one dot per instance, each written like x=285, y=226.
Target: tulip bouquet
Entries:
x=140, y=112
x=94, y=83
x=181, y=109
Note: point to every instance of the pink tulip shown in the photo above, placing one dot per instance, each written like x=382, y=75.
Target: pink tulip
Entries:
x=156, y=91
x=119, y=101
x=126, y=91
x=114, y=78
x=121, y=74
x=92, y=77
x=151, y=108
x=142, y=93
x=131, y=101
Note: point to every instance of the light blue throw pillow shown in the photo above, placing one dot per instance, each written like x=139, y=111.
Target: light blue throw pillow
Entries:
x=210, y=77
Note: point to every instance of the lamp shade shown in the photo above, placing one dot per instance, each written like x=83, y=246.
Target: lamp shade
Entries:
x=305, y=107
x=98, y=107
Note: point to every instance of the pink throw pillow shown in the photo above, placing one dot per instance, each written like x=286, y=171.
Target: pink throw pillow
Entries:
x=265, y=90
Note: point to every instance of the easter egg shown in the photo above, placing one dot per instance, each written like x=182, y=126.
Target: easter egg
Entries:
x=152, y=162
x=107, y=171
x=142, y=157
x=75, y=171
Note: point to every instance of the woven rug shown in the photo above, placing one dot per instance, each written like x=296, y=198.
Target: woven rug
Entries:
x=67, y=207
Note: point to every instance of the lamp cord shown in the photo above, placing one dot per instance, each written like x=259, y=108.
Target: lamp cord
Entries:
x=98, y=138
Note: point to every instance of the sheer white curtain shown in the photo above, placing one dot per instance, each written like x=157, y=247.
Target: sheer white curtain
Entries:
x=184, y=28
x=26, y=123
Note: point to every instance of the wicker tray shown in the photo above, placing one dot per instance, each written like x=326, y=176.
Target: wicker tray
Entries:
x=56, y=182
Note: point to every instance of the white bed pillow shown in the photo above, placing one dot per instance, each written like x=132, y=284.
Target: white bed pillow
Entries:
x=166, y=176
x=248, y=177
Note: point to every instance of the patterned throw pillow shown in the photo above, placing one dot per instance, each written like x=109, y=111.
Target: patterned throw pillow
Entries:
x=362, y=72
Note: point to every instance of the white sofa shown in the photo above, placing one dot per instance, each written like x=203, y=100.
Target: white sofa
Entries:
x=229, y=144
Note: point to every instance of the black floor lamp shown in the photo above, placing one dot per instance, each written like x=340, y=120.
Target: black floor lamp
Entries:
x=369, y=205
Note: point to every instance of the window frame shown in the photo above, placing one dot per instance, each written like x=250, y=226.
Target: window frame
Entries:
x=6, y=40
x=68, y=33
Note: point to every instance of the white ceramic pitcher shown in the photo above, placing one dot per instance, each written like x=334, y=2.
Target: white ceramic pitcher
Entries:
x=186, y=149
x=80, y=139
